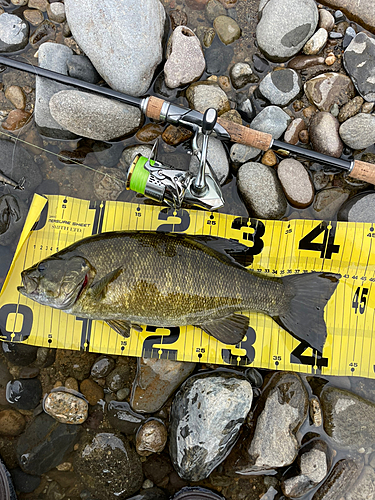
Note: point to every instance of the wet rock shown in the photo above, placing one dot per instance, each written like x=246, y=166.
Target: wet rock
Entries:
x=216, y=157
x=316, y=412
x=71, y=383
x=360, y=208
x=206, y=416
x=38, y=4
x=362, y=12
x=16, y=119
x=227, y=29
x=350, y=109
x=296, y=183
x=324, y=134
x=272, y=120
x=303, y=62
x=66, y=407
x=108, y=466
x=218, y=56
x=348, y=37
x=80, y=67
x=316, y=42
x=56, y=12
x=46, y=31
x=279, y=34
x=131, y=152
x=123, y=418
x=261, y=191
x=109, y=183
x=118, y=377
x=292, y=132
x=214, y=9
x=93, y=116
x=54, y=57
x=241, y=74
x=245, y=107
x=14, y=33
x=150, y=494
x=129, y=71
x=102, y=367
x=34, y=17
x=156, y=380
x=151, y=437
x=348, y=419
x=328, y=201
x=45, y=357
x=13, y=213
x=19, y=354
x=326, y=20
x=24, y=394
x=178, y=18
x=325, y=90
x=281, y=87
x=269, y=158
x=16, y=96
x=260, y=64
x=12, y=423
x=343, y=475
x=364, y=486
x=149, y=132
x=204, y=95
x=44, y=444
x=208, y=38
x=185, y=59
x=358, y=132
x=173, y=135
x=359, y=60
x=24, y=483
x=91, y=391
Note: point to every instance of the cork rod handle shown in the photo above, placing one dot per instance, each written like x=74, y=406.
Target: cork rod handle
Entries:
x=238, y=133
x=363, y=171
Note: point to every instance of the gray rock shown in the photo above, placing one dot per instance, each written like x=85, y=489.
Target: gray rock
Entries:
x=80, y=67
x=102, y=367
x=364, y=487
x=359, y=62
x=218, y=56
x=93, y=116
x=320, y=179
x=108, y=466
x=343, y=475
x=296, y=183
x=272, y=120
x=316, y=42
x=123, y=418
x=285, y=26
x=324, y=134
x=14, y=33
x=358, y=132
x=328, y=201
x=281, y=87
x=313, y=464
x=226, y=29
x=204, y=95
x=155, y=381
x=328, y=89
x=348, y=419
x=185, y=59
x=326, y=20
x=360, y=12
x=350, y=33
x=17, y=162
x=54, y=57
x=282, y=409
x=122, y=38
x=241, y=74
x=261, y=191
x=44, y=444
x=360, y=208
x=131, y=152
x=56, y=12
x=206, y=417
x=214, y=9
x=118, y=377
x=216, y=157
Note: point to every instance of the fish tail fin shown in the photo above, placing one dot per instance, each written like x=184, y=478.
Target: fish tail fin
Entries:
x=304, y=318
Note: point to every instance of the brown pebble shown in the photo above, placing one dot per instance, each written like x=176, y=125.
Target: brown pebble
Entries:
x=178, y=18
x=173, y=135
x=196, y=4
x=304, y=136
x=224, y=83
x=330, y=59
x=151, y=438
x=38, y=4
x=310, y=111
x=16, y=96
x=367, y=107
x=58, y=383
x=16, y=119
x=232, y=116
x=92, y=391
x=33, y=16
x=269, y=158
x=12, y=423
x=149, y=132
x=303, y=62
x=28, y=372
x=71, y=383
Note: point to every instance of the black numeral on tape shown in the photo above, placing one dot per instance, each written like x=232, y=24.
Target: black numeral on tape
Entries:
x=327, y=247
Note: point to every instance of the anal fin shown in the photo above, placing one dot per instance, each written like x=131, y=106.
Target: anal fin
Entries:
x=229, y=330
x=120, y=327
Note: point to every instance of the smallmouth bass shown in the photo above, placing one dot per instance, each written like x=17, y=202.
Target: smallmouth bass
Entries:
x=128, y=278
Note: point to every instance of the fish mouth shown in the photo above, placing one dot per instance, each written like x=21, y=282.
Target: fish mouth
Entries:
x=29, y=285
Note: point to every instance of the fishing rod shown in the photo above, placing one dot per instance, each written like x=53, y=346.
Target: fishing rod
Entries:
x=161, y=110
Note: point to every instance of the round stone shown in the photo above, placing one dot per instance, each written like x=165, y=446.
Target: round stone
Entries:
x=65, y=407
x=227, y=29
x=359, y=62
x=102, y=366
x=328, y=89
x=358, y=132
x=281, y=87
x=14, y=33
x=316, y=42
x=204, y=95
x=24, y=394
x=296, y=183
x=151, y=437
x=324, y=134
x=241, y=74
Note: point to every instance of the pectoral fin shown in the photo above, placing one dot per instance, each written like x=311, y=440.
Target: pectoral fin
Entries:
x=99, y=289
x=120, y=327
x=230, y=330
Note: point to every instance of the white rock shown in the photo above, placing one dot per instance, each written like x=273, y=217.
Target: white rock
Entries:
x=316, y=42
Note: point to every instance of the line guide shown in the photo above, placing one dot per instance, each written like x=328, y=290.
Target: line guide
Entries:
x=276, y=248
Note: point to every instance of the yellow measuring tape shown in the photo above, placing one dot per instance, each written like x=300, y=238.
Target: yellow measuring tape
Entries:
x=277, y=248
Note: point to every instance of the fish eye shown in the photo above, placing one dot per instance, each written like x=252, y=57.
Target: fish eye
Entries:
x=41, y=267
